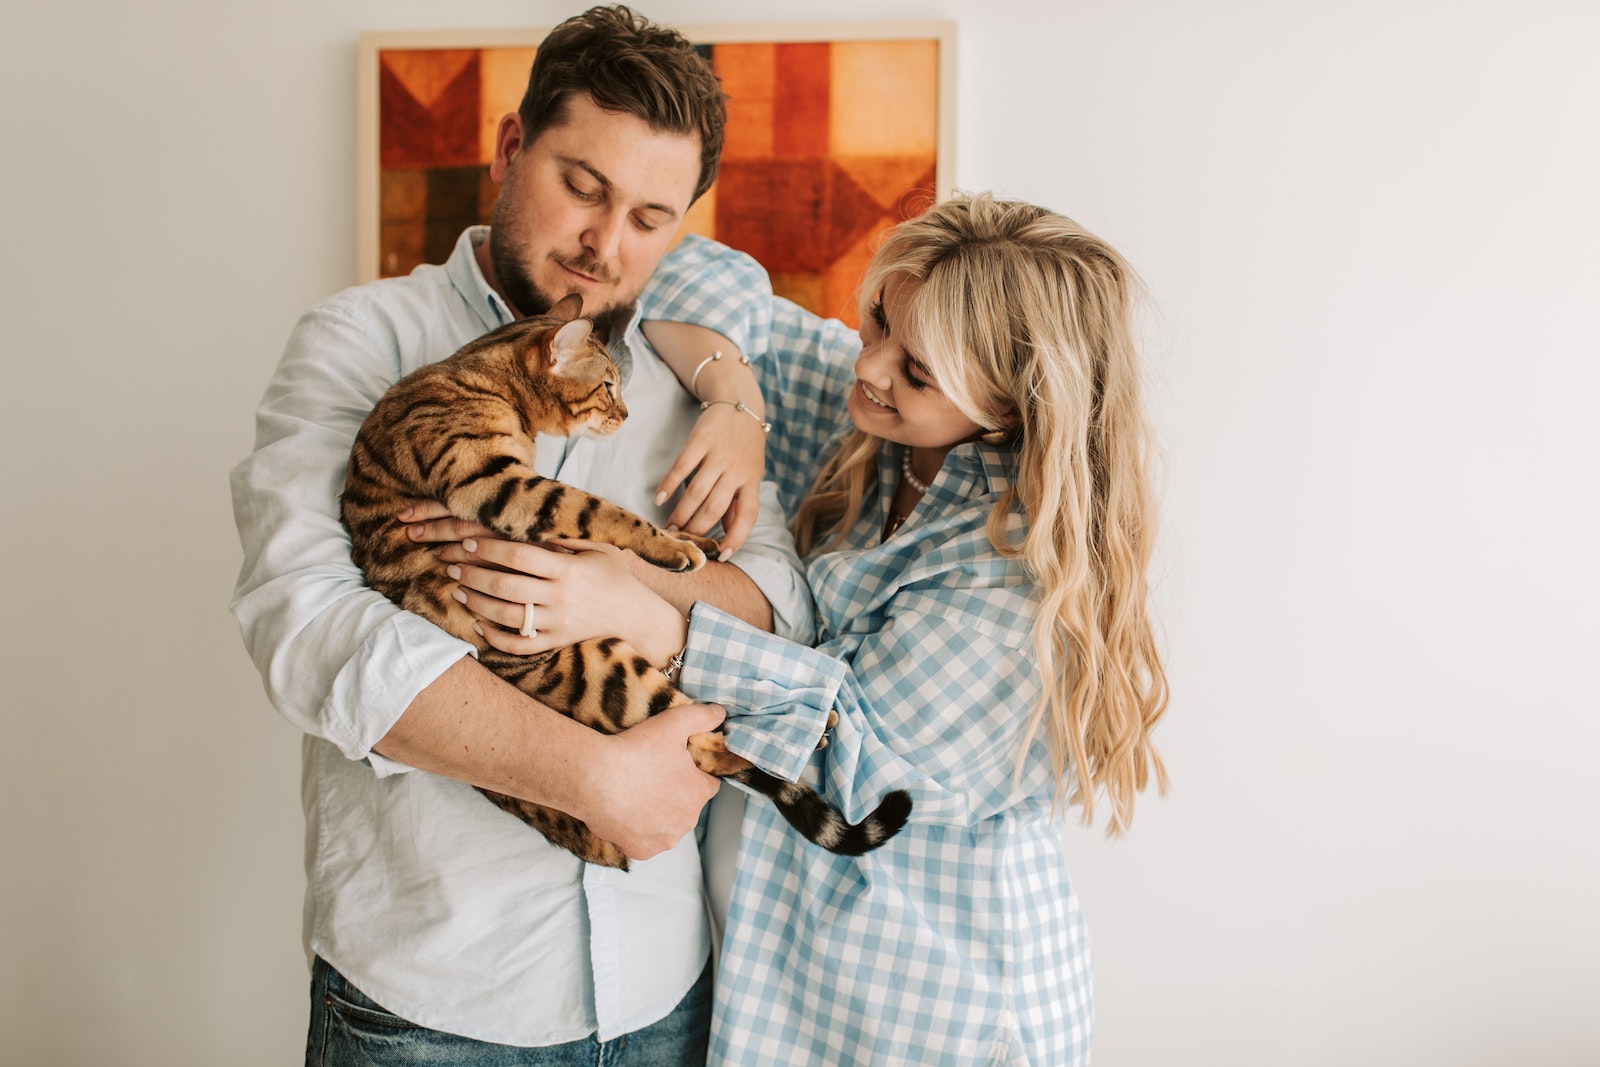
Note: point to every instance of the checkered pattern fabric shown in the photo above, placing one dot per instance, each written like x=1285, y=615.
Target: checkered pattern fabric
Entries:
x=960, y=941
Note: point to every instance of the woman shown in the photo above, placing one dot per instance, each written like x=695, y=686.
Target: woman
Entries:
x=977, y=547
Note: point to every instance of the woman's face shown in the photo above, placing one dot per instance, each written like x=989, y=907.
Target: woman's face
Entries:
x=894, y=396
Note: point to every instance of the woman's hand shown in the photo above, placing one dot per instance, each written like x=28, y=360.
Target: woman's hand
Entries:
x=727, y=450
x=578, y=589
x=727, y=454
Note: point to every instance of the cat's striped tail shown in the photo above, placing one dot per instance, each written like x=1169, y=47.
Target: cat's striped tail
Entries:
x=821, y=823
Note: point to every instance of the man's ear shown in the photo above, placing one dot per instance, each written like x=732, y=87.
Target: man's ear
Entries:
x=507, y=143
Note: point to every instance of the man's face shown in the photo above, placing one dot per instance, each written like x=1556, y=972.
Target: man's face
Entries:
x=589, y=207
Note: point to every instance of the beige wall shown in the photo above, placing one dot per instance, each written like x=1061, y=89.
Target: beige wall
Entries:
x=1371, y=231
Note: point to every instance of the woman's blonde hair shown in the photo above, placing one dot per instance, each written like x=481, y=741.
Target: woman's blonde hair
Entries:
x=1025, y=320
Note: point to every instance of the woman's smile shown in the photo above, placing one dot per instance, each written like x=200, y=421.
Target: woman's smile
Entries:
x=867, y=392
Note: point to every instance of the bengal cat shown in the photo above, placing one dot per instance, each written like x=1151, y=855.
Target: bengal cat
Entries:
x=462, y=432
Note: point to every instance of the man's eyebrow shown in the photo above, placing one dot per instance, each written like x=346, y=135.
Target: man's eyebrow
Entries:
x=587, y=167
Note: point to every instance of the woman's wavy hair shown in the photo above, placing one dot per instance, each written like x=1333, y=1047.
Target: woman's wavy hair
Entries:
x=626, y=63
x=1025, y=321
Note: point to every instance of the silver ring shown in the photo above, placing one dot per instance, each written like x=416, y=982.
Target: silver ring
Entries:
x=527, y=621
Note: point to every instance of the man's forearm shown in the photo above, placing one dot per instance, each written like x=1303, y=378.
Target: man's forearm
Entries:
x=472, y=726
x=639, y=789
x=722, y=585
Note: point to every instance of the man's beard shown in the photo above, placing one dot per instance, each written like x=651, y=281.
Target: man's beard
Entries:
x=528, y=299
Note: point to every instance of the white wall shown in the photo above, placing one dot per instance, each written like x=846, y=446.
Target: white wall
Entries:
x=1371, y=232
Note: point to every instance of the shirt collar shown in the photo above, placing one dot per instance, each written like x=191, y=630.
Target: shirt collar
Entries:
x=462, y=270
x=977, y=468
x=998, y=463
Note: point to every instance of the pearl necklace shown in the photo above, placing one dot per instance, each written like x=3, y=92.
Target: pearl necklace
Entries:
x=918, y=486
x=911, y=479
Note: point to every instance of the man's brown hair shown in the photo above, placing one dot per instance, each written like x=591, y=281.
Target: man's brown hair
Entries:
x=625, y=62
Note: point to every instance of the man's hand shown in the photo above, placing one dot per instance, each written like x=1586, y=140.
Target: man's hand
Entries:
x=639, y=789
x=644, y=793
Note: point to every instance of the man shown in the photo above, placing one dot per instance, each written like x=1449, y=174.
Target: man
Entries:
x=434, y=919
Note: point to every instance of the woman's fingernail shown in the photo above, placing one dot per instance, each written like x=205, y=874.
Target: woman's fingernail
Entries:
x=477, y=629
x=672, y=527
x=470, y=545
x=661, y=498
x=724, y=556
x=453, y=571
x=460, y=595
x=405, y=516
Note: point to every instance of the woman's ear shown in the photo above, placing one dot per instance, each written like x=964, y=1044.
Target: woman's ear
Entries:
x=1010, y=423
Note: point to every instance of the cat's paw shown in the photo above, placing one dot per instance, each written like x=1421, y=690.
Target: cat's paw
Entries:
x=684, y=551
x=710, y=753
x=827, y=731
x=706, y=545
x=676, y=552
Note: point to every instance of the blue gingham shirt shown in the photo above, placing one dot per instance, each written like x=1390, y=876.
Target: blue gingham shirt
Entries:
x=960, y=941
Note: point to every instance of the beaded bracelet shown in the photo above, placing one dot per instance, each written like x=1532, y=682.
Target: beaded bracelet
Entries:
x=694, y=379
x=739, y=405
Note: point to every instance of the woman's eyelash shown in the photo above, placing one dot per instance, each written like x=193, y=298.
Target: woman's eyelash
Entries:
x=875, y=313
x=911, y=377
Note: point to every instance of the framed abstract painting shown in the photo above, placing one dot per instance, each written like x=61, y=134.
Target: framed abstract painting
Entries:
x=835, y=132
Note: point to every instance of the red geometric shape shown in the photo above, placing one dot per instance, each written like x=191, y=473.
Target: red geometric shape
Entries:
x=796, y=216
x=887, y=179
x=439, y=133
x=800, y=108
x=852, y=212
x=776, y=210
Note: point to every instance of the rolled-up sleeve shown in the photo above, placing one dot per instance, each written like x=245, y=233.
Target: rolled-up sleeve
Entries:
x=705, y=283
x=338, y=660
x=805, y=363
x=933, y=702
x=709, y=284
x=778, y=693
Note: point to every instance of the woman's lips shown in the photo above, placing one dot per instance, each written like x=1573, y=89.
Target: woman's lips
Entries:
x=872, y=397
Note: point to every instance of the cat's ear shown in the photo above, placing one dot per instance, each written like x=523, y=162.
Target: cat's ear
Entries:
x=568, y=307
x=568, y=341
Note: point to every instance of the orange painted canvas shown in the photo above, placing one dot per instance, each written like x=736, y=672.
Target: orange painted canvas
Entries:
x=834, y=134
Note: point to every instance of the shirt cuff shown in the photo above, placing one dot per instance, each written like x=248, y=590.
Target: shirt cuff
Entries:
x=778, y=694
x=793, y=612
x=372, y=690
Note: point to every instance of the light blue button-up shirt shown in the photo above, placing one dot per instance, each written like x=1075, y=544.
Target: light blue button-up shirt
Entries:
x=439, y=906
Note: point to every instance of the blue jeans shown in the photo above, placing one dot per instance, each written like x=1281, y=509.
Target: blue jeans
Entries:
x=349, y=1030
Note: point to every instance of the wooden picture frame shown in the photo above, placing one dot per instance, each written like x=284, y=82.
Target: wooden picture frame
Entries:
x=835, y=132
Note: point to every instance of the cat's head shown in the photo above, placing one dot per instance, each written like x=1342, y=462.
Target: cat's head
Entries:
x=580, y=374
